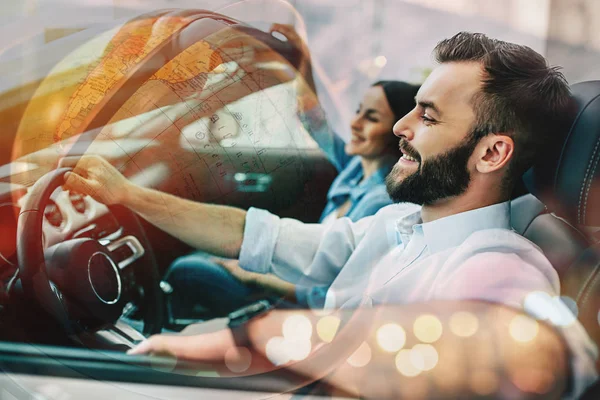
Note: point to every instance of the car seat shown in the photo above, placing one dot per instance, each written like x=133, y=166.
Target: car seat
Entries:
x=566, y=181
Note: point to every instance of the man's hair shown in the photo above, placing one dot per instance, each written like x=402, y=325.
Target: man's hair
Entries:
x=521, y=97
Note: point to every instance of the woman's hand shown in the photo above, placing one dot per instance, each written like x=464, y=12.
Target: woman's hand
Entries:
x=233, y=267
x=293, y=38
x=267, y=282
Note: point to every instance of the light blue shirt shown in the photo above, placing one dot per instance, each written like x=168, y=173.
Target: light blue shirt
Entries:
x=366, y=197
x=395, y=258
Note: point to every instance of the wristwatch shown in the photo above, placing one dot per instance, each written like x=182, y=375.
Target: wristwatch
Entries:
x=239, y=318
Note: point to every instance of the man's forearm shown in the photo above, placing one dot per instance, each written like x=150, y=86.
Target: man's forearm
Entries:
x=212, y=228
x=475, y=354
x=445, y=350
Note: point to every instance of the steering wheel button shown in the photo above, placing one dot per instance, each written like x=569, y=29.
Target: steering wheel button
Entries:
x=122, y=253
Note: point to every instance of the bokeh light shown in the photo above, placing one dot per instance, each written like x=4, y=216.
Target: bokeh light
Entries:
x=380, y=61
x=523, y=329
x=533, y=380
x=276, y=351
x=427, y=353
x=297, y=327
x=417, y=360
x=464, y=324
x=483, y=382
x=539, y=305
x=559, y=311
x=391, y=337
x=297, y=350
x=238, y=359
x=361, y=357
x=405, y=364
x=567, y=311
x=327, y=328
x=427, y=328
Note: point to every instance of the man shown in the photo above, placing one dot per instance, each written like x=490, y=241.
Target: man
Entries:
x=482, y=117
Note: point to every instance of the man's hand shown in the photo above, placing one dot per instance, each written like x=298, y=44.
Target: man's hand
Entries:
x=216, y=349
x=94, y=176
x=208, y=347
x=212, y=228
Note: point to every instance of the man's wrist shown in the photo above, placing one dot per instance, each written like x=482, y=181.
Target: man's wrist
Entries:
x=129, y=195
x=239, y=319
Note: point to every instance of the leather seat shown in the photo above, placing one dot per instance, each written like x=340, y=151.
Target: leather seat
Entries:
x=567, y=182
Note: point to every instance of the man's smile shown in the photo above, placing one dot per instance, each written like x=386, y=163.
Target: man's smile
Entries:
x=406, y=158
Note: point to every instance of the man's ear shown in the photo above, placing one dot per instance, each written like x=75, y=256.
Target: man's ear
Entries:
x=494, y=152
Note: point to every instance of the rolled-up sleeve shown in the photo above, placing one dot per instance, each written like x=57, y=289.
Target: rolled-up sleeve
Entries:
x=281, y=246
x=260, y=235
x=305, y=254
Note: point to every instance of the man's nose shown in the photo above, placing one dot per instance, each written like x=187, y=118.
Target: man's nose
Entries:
x=402, y=128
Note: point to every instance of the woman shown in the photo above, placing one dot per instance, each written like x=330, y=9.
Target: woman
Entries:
x=210, y=287
x=364, y=161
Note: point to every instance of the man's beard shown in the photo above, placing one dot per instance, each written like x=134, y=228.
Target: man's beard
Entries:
x=442, y=177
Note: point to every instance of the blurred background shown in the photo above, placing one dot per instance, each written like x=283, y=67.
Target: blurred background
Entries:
x=353, y=42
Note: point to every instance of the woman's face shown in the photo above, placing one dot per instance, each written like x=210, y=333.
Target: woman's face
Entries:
x=372, y=135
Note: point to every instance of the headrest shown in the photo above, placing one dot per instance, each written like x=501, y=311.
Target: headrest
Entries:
x=566, y=181
x=523, y=210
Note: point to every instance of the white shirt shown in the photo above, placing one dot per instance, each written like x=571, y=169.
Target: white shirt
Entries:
x=394, y=258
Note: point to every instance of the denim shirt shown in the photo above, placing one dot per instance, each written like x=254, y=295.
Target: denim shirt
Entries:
x=367, y=197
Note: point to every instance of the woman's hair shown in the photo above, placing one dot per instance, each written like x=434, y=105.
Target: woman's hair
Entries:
x=400, y=96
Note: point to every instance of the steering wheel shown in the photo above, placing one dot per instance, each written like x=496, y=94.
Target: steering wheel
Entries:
x=78, y=281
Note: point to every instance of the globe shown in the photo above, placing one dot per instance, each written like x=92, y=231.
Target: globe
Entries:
x=190, y=102
x=182, y=64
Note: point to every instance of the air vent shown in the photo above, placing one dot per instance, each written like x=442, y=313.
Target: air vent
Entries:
x=78, y=202
x=53, y=214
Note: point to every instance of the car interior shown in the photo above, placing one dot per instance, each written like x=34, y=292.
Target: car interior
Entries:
x=82, y=329
x=567, y=184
